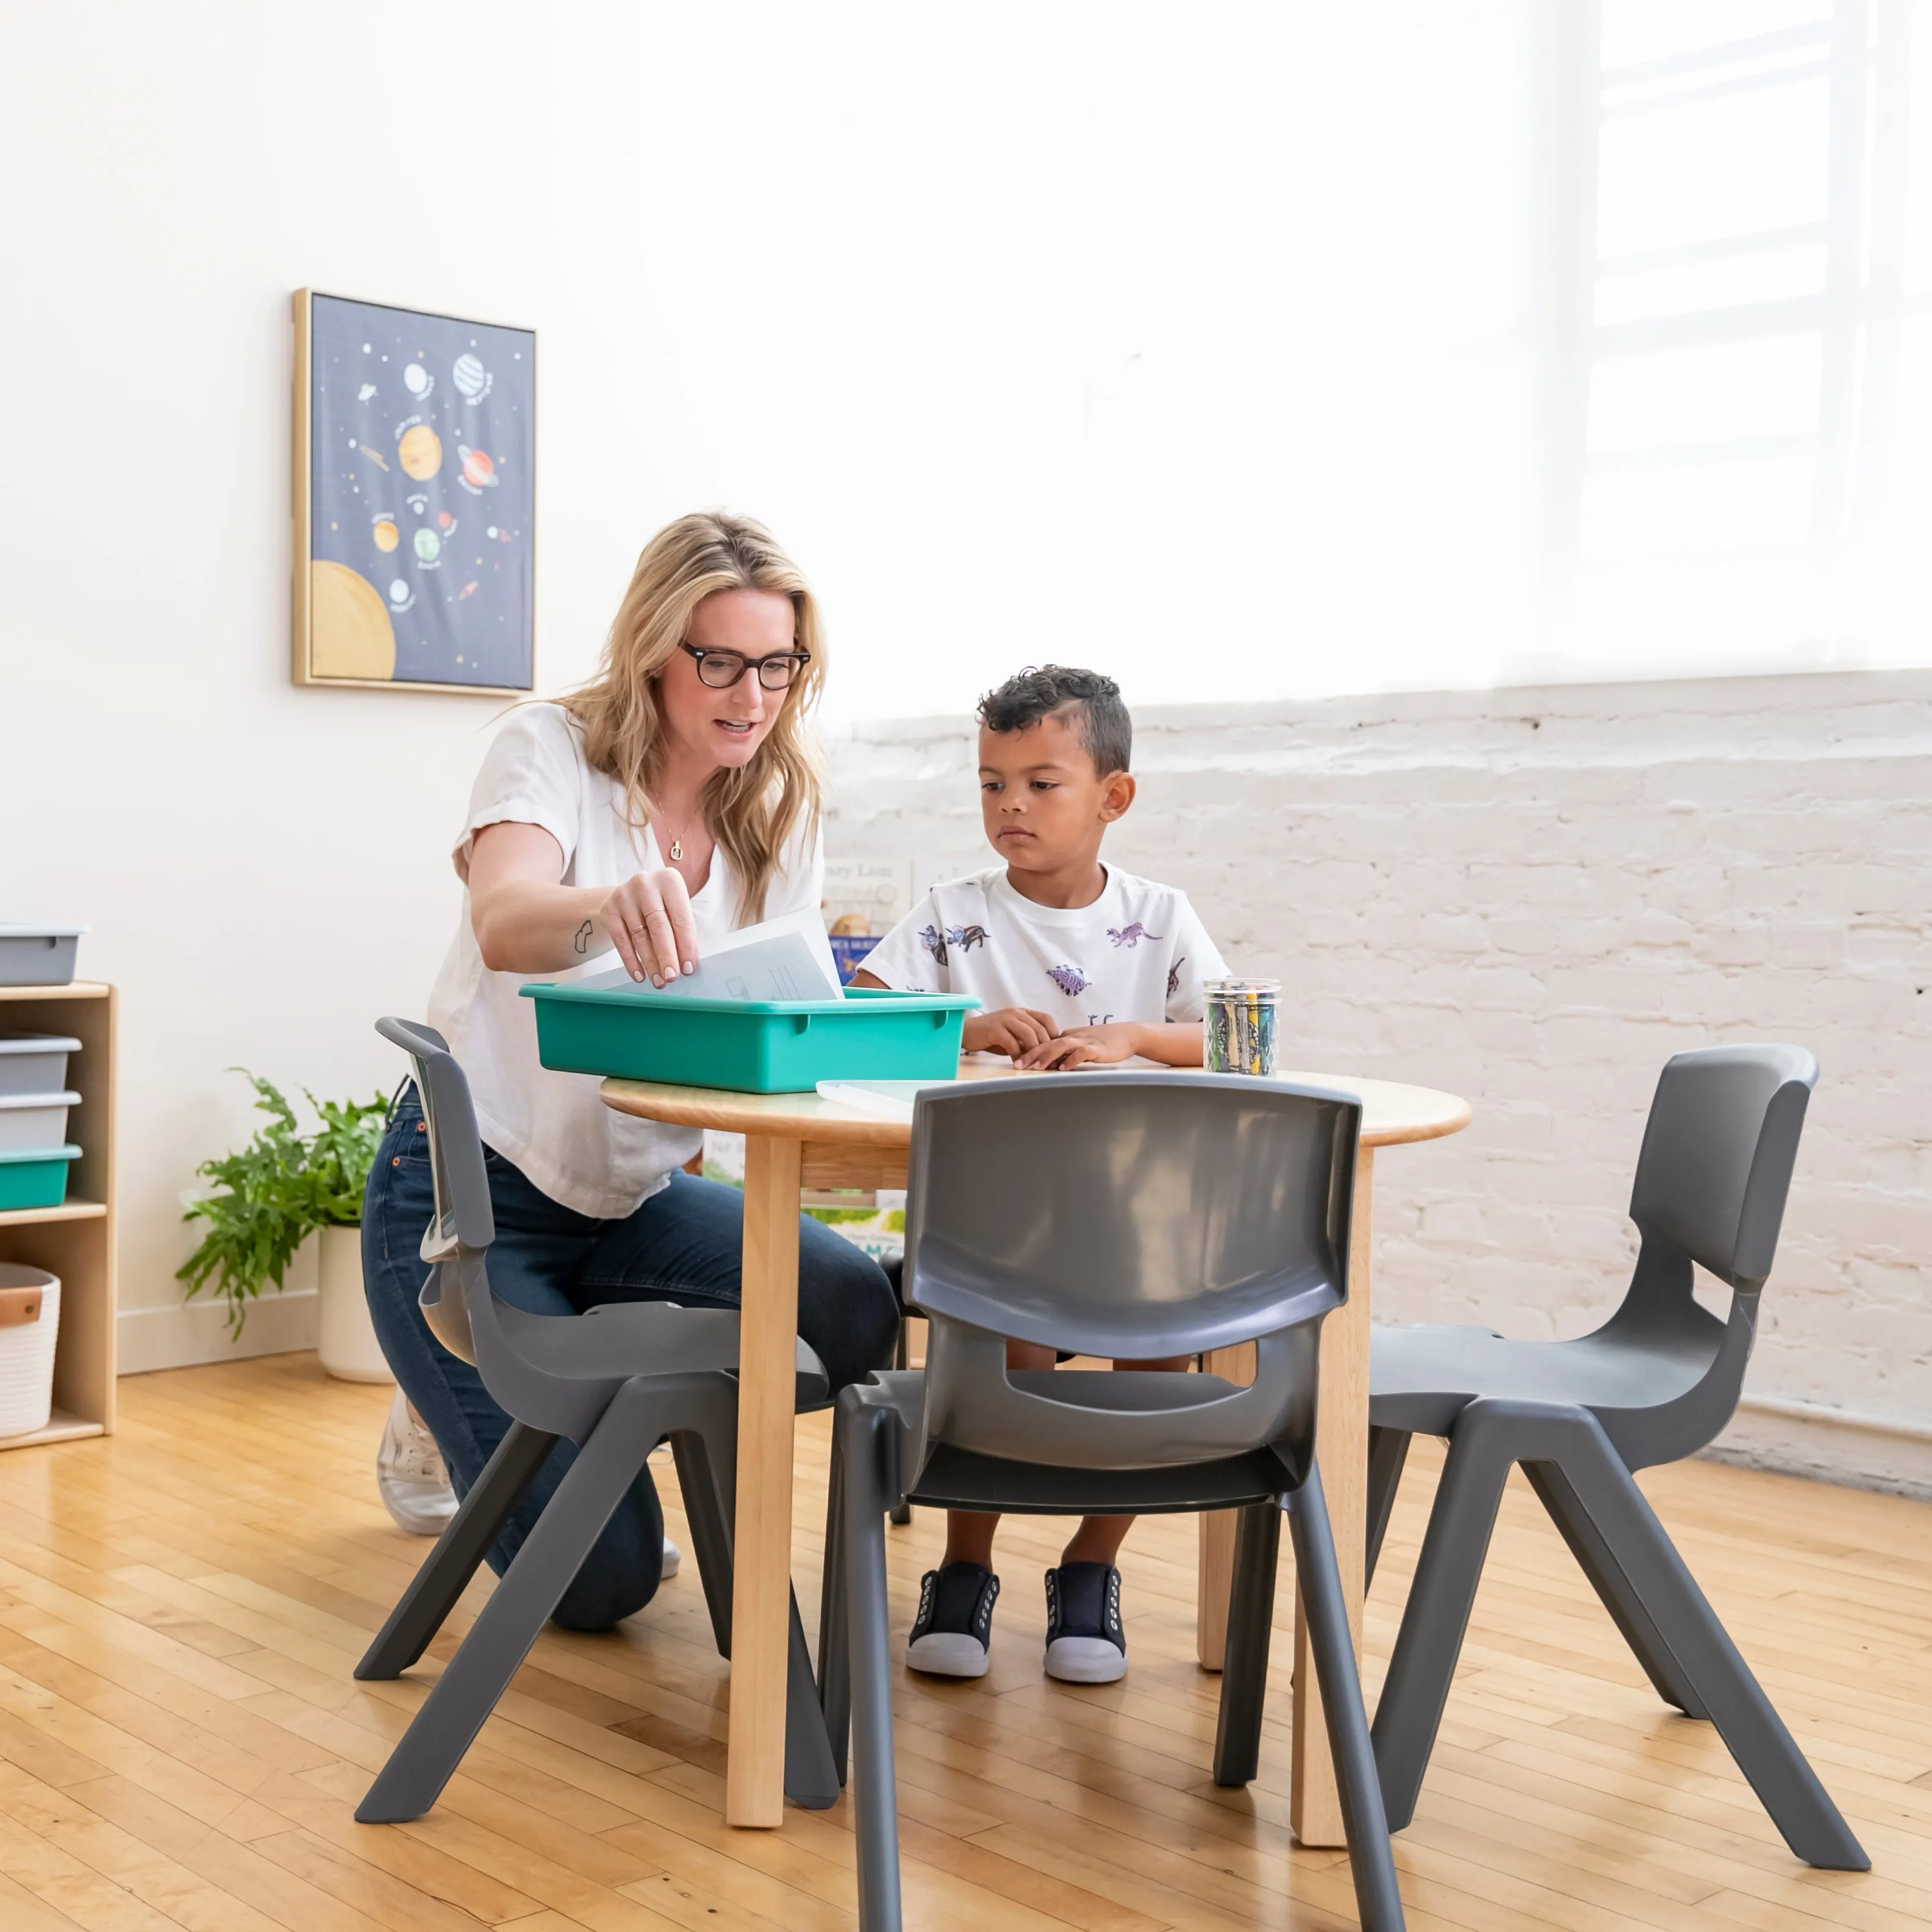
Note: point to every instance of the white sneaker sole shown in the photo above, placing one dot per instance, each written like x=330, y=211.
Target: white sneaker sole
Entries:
x=1085, y=1659
x=672, y=1562
x=416, y=1508
x=947, y=1654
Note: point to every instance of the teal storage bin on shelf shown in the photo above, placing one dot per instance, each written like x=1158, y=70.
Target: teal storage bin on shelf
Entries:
x=751, y=1046
x=34, y=1177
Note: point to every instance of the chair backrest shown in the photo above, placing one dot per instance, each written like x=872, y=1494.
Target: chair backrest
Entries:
x=464, y=1217
x=1718, y=1151
x=1130, y=1215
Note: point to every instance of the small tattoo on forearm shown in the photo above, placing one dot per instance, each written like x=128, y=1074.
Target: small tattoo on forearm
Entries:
x=583, y=937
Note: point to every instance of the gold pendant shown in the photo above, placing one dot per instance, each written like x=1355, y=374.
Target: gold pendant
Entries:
x=677, y=850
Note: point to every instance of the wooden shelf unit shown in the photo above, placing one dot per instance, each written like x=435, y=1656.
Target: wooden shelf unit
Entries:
x=75, y=1241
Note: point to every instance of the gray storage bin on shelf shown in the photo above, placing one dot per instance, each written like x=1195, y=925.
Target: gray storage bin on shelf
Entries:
x=37, y=954
x=34, y=1062
x=31, y=1120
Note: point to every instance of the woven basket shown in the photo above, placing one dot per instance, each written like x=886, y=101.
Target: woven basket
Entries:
x=29, y=1325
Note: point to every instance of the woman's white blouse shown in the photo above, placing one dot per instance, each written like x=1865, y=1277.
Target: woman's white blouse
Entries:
x=553, y=1125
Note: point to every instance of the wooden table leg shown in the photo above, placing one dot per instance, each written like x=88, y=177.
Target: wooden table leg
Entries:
x=761, y=1542
x=1342, y=1453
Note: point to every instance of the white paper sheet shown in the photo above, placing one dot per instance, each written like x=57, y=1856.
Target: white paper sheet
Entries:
x=884, y=1099
x=787, y=958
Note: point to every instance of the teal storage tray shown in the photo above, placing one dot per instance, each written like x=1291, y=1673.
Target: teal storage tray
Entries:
x=750, y=1046
x=34, y=1177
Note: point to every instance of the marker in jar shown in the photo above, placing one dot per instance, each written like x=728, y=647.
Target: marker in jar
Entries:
x=1240, y=1025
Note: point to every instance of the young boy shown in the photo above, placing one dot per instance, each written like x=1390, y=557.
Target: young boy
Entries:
x=1075, y=962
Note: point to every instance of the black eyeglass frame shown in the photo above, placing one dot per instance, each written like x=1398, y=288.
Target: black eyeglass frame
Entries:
x=797, y=658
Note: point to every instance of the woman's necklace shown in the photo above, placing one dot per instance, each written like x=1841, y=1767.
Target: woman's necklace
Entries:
x=677, y=851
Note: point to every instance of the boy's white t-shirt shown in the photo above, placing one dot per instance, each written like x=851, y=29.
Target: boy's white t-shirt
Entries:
x=553, y=1126
x=1138, y=953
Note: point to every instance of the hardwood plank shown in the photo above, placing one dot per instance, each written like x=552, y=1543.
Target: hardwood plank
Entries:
x=182, y=1745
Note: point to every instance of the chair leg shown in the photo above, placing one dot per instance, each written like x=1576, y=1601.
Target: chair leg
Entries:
x=902, y=1510
x=464, y=1543
x=487, y=1659
x=812, y=1780
x=1237, y=1733
x=834, y=1651
x=1437, y=1614
x=1378, y=1900
x=875, y=1800
x=1606, y=1578
x=1754, y=1734
x=1388, y=1450
x=706, y=1510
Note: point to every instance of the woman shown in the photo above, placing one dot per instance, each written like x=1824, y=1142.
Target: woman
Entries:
x=670, y=801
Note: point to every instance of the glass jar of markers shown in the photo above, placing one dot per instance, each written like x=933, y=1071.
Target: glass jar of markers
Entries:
x=1240, y=1025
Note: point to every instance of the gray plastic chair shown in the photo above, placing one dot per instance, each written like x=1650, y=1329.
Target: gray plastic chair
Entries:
x=617, y=1380
x=1656, y=1383
x=1128, y=1215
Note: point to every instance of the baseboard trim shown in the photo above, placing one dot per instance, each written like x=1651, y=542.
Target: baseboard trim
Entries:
x=1837, y=1418
x=1828, y=1445
x=186, y=1333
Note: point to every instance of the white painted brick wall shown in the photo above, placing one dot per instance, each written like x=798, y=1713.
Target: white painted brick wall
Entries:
x=1532, y=897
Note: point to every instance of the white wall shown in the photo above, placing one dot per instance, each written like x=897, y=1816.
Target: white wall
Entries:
x=1248, y=350
x=265, y=868
x=1532, y=898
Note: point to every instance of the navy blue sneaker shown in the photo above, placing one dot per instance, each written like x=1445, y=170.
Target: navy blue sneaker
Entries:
x=955, y=1624
x=1086, y=1643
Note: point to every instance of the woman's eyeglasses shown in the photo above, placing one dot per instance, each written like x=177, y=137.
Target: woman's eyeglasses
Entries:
x=720, y=670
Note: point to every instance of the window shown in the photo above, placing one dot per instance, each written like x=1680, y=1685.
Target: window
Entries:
x=1737, y=459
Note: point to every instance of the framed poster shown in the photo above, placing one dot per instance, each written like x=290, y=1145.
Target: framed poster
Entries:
x=415, y=499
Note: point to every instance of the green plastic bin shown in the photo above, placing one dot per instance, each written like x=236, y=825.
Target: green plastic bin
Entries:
x=34, y=1177
x=751, y=1046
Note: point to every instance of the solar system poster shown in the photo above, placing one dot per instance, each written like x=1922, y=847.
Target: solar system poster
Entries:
x=416, y=499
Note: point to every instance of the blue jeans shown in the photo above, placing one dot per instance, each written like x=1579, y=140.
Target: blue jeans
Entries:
x=682, y=1245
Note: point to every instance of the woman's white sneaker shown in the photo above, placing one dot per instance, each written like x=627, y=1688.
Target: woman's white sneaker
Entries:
x=410, y=1474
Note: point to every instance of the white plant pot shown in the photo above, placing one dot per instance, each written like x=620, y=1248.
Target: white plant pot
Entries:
x=345, y=1337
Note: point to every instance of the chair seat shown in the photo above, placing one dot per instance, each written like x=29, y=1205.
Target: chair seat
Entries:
x=1421, y=1376
x=618, y=1340
x=959, y=1478
x=1128, y=1391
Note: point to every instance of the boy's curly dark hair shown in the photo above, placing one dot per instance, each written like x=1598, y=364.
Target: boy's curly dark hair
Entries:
x=1041, y=690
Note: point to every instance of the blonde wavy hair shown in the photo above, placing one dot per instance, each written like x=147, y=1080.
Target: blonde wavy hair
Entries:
x=754, y=811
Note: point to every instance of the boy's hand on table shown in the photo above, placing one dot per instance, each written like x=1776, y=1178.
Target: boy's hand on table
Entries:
x=1013, y=1031
x=1082, y=1046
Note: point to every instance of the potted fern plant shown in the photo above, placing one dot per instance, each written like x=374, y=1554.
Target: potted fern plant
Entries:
x=265, y=1200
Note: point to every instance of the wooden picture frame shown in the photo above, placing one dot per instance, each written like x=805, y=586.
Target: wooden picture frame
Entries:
x=413, y=557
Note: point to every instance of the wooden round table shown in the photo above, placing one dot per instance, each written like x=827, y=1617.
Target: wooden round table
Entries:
x=795, y=1141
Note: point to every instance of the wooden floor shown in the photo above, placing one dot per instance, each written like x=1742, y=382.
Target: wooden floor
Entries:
x=181, y=1744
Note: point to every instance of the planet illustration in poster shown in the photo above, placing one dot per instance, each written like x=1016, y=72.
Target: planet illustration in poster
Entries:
x=479, y=472
x=419, y=450
x=350, y=632
x=426, y=595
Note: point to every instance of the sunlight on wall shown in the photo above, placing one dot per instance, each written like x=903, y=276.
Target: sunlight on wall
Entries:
x=1275, y=351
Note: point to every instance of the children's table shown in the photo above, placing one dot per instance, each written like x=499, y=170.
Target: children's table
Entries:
x=796, y=1141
